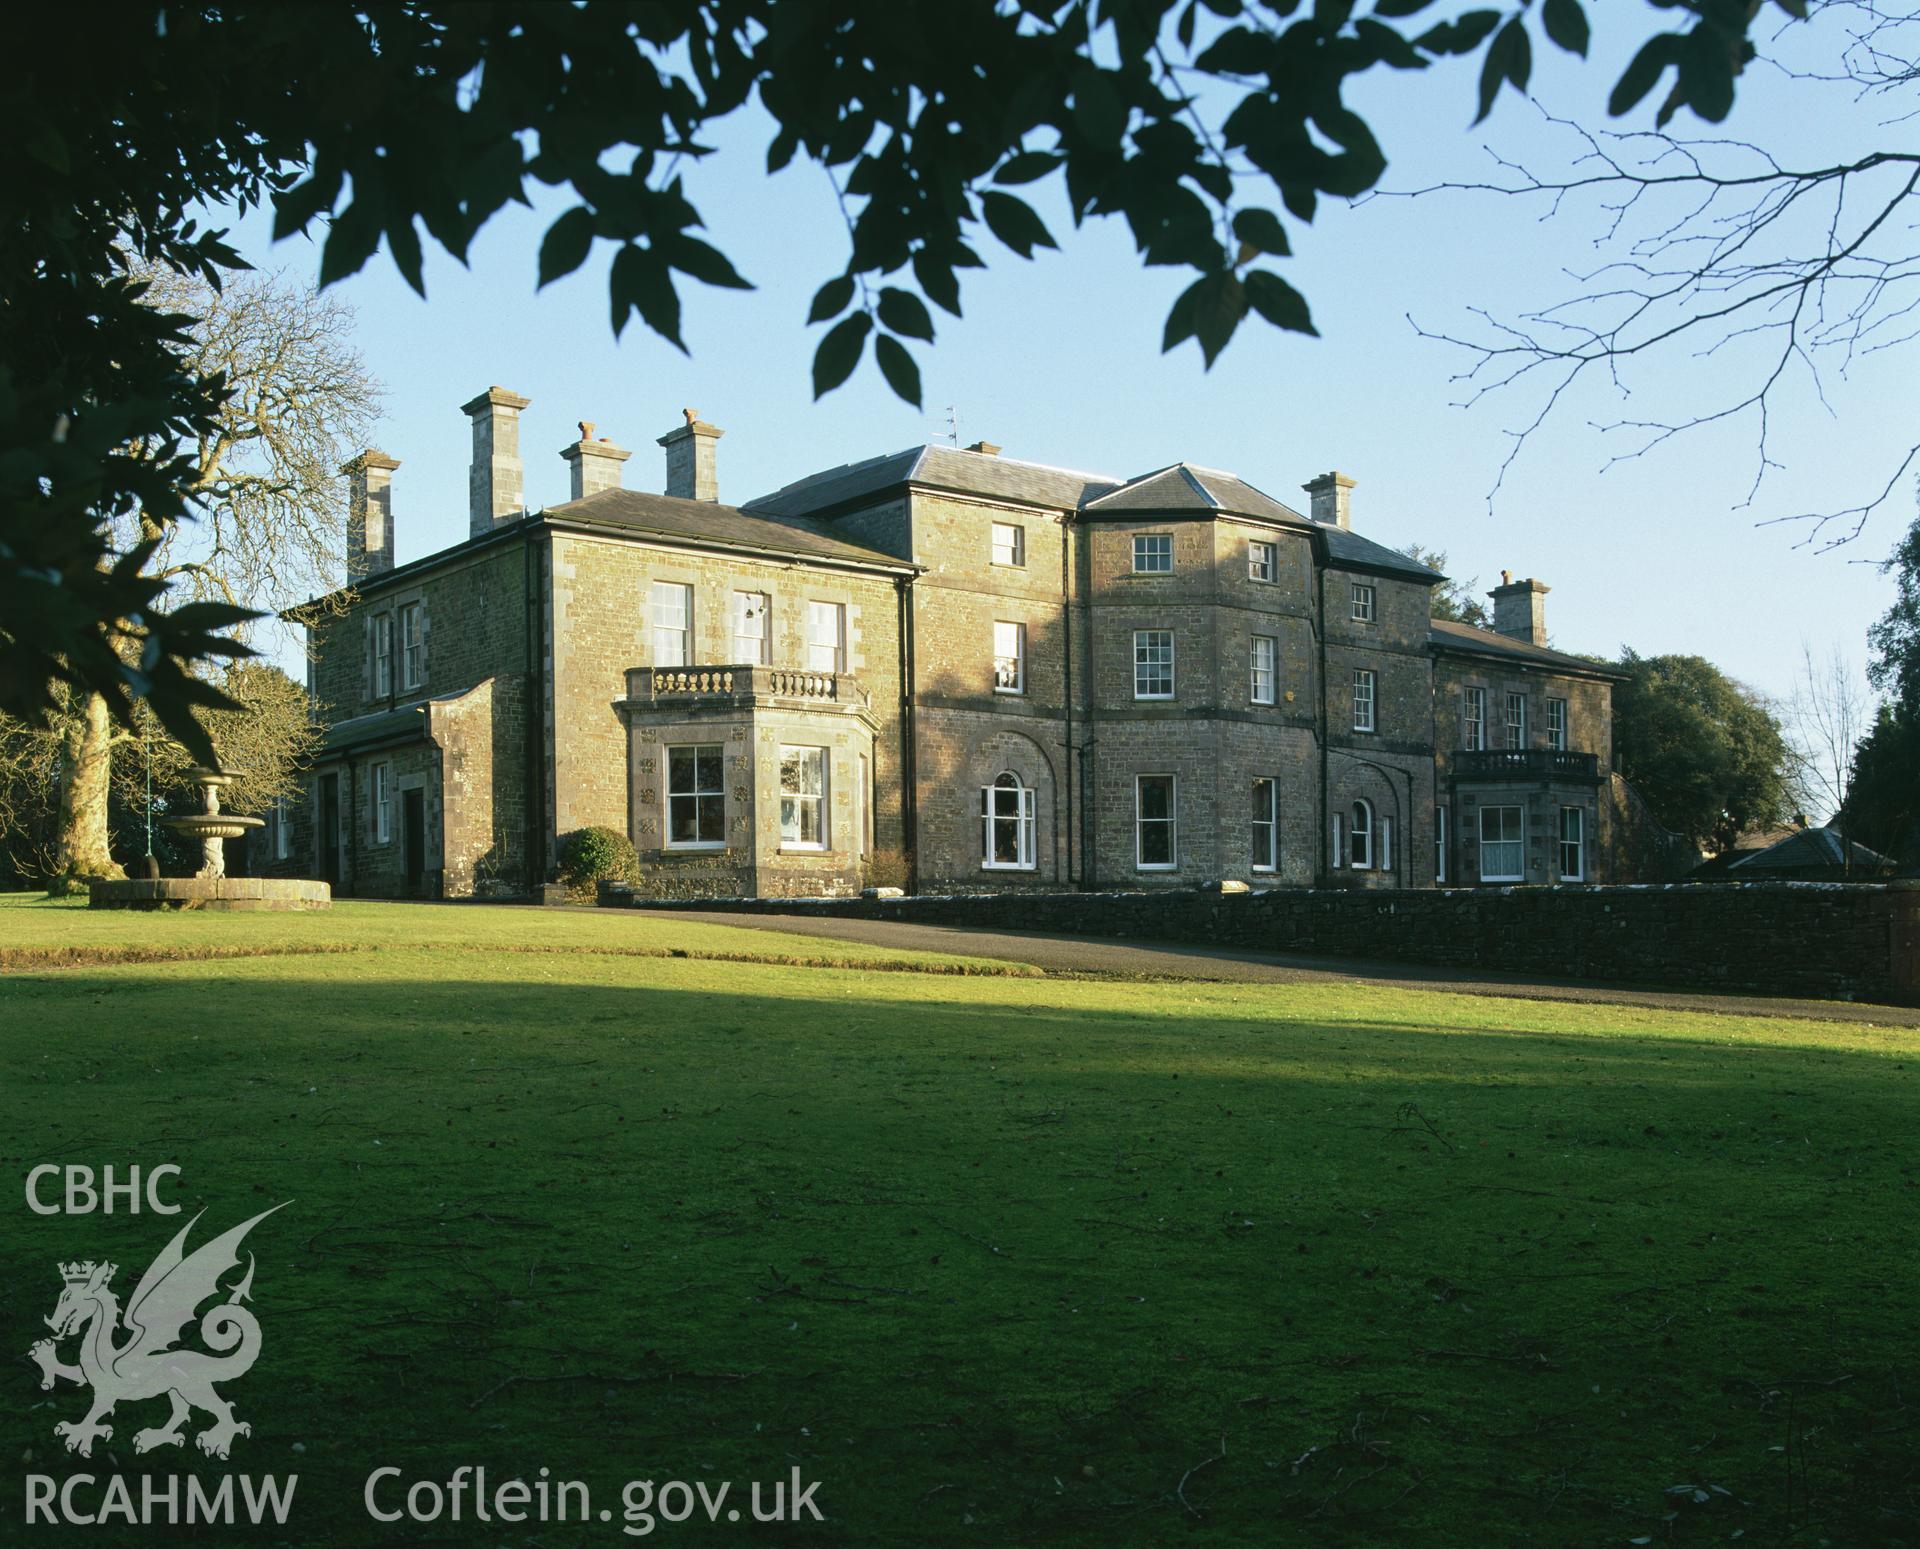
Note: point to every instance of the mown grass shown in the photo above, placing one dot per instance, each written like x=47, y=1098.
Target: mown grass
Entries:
x=1000, y=1260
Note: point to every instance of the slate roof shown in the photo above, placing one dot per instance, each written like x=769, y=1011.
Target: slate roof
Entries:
x=1188, y=487
x=381, y=726
x=1811, y=849
x=937, y=467
x=1446, y=635
x=1348, y=548
x=668, y=516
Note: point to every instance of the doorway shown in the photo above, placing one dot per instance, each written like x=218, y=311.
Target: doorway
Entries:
x=413, y=833
x=327, y=824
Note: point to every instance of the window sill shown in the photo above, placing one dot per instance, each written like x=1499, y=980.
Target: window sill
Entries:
x=1264, y=704
x=708, y=845
x=1012, y=693
x=1166, y=866
x=1153, y=698
x=1007, y=866
x=804, y=849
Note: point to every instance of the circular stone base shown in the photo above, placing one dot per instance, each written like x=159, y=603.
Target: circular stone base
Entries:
x=210, y=893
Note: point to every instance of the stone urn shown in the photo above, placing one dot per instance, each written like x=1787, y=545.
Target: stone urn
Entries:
x=211, y=826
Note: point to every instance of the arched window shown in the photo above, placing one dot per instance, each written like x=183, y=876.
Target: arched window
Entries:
x=1006, y=825
x=1360, y=836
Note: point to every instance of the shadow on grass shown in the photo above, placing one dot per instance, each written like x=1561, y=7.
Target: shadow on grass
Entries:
x=1071, y=1265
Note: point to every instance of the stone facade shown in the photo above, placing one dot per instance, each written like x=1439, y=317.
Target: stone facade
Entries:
x=1002, y=676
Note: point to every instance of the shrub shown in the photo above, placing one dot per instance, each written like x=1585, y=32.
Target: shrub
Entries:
x=886, y=868
x=591, y=855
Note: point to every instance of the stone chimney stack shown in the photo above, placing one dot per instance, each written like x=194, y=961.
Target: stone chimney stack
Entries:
x=592, y=465
x=1520, y=609
x=369, y=514
x=1332, y=496
x=692, y=459
x=496, y=482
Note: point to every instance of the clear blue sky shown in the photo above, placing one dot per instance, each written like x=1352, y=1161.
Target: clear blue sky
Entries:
x=1059, y=361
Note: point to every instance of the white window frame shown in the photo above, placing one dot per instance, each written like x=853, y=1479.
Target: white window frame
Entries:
x=1515, y=729
x=1263, y=560
x=383, y=803
x=1009, y=665
x=753, y=628
x=1578, y=844
x=1009, y=545
x=1161, y=548
x=1171, y=822
x=1364, y=685
x=1265, y=673
x=1517, y=844
x=700, y=795
x=413, y=653
x=824, y=654
x=1266, y=815
x=1440, y=843
x=382, y=655
x=1143, y=643
x=1473, y=720
x=800, y=799
x=1366, y=603
x=670, y=611
x=1557, y=725
x=1359, y=843
x=1007, y=792
x=282, y=834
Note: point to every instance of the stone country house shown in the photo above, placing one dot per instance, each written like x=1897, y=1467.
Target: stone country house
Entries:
x=991, y=674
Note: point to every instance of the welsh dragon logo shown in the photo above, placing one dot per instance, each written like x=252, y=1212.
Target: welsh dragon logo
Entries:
x=146, y=1365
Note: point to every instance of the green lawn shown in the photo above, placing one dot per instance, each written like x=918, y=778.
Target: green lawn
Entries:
x=995, y=1260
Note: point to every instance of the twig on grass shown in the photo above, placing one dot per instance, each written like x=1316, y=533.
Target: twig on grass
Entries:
x=1180, y=1491
x=1412, y=1111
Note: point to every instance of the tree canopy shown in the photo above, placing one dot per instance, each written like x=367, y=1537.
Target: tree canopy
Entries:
x=1207, y=128
x=1705, y=752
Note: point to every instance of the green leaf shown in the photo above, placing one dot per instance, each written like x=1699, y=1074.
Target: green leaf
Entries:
x=1025, y=166
x=1279, y=303
x=1643, y=74
x=350, y=243
x=897, y=366
x=831, y=299
x=1509, y=58
x=1566, y=24
x=1706, y=75
x=905, y=313
x=938, y=281
x=1014, y=223
x=1261, y=230
x=839, y=353
x=1459, y=36
x=1208, y=310
x=1399, y=8
x=566, y=244
x=704, y=262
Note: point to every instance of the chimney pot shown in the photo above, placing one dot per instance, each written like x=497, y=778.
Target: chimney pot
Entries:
x=693, y=459
x=369, y=514
x=1332, y=497
x=592, y=465
x=1519, y=609
x=496, y=480
x=985, y=448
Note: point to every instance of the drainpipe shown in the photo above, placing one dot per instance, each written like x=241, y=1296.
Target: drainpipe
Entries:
x=909, y=761
x=1066, y=615
x=1324, y=845
x=531, y=624
x=353, y=830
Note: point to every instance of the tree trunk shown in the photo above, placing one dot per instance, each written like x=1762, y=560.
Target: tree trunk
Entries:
x=86, y=766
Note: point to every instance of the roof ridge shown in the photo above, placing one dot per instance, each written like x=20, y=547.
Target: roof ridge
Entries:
x=1023, y=462
x=1192, y=475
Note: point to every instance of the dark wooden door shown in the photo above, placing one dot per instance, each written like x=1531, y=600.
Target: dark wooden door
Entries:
x=328, y=819
x=413, y=828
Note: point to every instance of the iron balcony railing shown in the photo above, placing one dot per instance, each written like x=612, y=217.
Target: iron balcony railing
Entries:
x=1525, y=764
